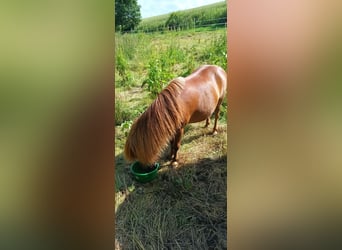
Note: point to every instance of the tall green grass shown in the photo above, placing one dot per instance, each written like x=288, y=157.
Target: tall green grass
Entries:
x=217, y=52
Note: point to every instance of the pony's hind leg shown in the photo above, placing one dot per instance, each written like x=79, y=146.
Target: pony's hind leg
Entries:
x=207, y=122
x=217, y=113
x=176, y=146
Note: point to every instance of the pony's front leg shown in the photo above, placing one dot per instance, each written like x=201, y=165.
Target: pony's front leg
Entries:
x=172, y=153
x=176, y=146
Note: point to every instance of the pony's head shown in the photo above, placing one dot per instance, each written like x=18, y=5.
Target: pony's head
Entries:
x=151, y=132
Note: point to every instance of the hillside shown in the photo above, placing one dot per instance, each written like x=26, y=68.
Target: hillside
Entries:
x=209, y=15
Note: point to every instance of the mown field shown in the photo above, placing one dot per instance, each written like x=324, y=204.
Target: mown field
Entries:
x=183, y=208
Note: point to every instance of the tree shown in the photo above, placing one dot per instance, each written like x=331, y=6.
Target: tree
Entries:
x=173, y=21
x=127, y=15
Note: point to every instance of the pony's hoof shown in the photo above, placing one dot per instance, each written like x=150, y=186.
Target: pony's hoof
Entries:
x=174, y=164
x=214, y=133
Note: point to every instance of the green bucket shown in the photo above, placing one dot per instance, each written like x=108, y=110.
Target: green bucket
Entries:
x=142, y=176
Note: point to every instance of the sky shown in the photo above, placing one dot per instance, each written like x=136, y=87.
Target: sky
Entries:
x=158, y=7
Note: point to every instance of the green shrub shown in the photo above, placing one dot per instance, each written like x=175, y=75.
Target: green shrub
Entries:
x=158, y=76
x=123, y=71
x=161, y=69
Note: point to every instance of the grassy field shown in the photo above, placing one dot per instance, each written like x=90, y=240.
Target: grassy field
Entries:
x=205, y=15
x=183, y=208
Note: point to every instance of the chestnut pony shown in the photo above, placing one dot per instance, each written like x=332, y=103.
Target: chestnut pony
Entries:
x=185, y=100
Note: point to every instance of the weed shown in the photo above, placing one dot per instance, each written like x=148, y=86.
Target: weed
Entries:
x=126, y=126
x=158, y=75
x=161, y=68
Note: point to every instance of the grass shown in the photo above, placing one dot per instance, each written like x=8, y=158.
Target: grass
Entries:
x=183, y=208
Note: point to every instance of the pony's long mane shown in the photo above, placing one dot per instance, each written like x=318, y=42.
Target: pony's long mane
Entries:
x=151, y=132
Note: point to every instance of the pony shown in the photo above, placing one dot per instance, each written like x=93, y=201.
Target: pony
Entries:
x=184, y=100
